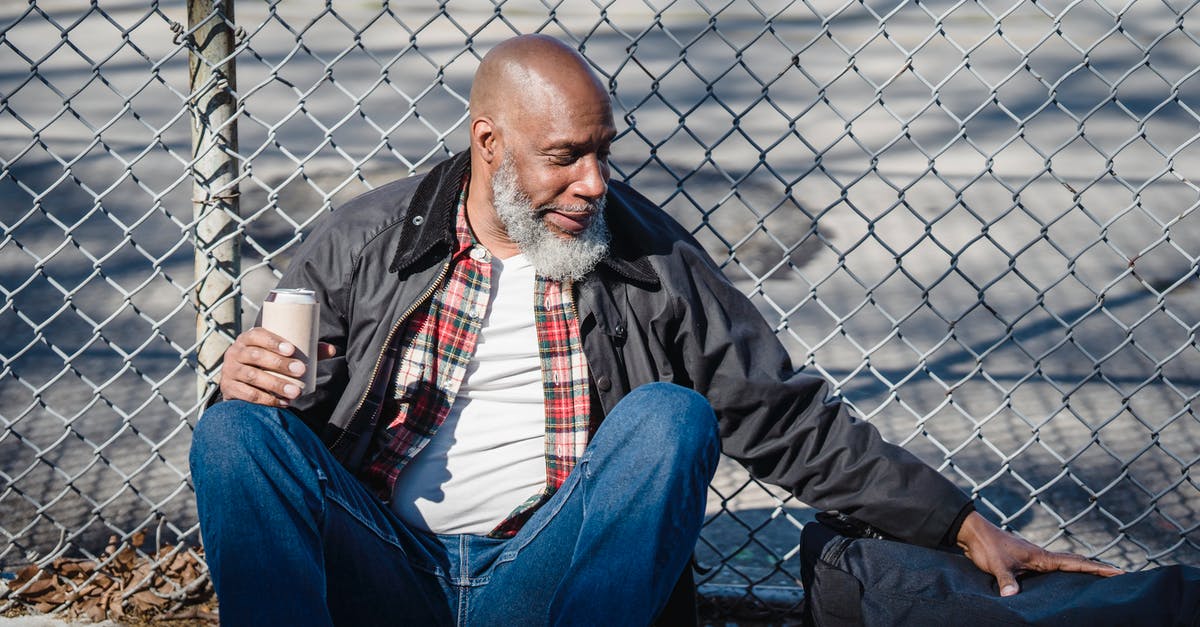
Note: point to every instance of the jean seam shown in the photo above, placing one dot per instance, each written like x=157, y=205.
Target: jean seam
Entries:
x=464, y=555
x=462, y=590
x=387, y=538
x=323, y=484
x=278, y=419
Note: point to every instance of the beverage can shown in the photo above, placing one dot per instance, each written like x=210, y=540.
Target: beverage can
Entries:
x=293, y=315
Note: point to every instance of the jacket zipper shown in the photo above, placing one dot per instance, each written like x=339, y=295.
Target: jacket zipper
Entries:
x=571, y=301
x=388, y=342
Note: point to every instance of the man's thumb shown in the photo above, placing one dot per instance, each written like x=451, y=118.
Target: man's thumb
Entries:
x=1008, y=584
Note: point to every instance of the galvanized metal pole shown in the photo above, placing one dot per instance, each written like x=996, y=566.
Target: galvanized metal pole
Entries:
x=214, y=189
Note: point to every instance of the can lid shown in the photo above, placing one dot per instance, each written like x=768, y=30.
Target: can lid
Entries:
x=292, y=296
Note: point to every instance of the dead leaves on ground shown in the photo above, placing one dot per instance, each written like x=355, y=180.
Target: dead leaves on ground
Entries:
x=120, y=585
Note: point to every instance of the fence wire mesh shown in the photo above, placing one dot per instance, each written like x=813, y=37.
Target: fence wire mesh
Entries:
x=977, y=218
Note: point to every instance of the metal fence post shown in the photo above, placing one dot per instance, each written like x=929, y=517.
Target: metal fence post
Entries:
x=213, y=105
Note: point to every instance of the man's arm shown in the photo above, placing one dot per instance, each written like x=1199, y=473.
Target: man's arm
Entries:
x=783, y=427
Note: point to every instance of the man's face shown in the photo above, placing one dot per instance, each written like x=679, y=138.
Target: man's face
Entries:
x=554, y=252
x=550, y=186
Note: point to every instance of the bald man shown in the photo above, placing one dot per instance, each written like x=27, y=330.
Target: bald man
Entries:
x=527, y=374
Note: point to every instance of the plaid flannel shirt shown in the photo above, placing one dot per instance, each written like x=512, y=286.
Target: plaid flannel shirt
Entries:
x=431, y=357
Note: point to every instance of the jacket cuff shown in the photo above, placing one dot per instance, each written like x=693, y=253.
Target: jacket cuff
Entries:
x=951, y=537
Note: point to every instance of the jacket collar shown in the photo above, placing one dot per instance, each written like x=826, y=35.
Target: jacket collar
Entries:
x=429, y=222
x=428, y=225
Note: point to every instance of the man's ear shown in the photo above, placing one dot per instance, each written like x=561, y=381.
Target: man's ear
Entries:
x=483, y=138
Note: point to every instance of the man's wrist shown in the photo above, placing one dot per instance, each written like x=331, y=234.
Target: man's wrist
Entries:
x=976, y=529
x=951, y=538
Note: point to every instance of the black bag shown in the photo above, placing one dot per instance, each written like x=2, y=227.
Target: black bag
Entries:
x=852, y=576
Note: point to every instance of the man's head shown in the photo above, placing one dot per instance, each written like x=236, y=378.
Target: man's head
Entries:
x=541, y=125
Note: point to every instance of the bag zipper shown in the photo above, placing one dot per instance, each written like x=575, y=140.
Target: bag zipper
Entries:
x=833, y=551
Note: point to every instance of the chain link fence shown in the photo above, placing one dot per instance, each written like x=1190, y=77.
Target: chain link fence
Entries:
x=977, y=218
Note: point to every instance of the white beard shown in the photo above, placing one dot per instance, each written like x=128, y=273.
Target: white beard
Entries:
x=552, y=256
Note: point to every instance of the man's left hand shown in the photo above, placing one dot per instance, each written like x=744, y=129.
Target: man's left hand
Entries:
x=1004, y=555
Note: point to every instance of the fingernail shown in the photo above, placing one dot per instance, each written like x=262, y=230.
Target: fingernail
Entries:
x=296, y=367
x=283, y=402
x=291, y=390
x=1008, y=590
x=285, y=348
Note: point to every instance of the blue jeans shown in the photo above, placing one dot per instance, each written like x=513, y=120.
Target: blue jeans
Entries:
x=292, y=538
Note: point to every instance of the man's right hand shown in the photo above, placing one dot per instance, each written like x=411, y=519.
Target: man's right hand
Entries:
x=247, y=372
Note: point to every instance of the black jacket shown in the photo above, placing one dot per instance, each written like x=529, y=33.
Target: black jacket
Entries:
x=657, y=309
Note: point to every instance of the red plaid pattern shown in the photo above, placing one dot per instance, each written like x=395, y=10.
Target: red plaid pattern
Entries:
x=434, y=349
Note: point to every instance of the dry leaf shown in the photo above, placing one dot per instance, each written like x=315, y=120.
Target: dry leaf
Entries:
x=96, y=612
x=113, y=605
x=147, y=600
x=94, y=589
x=73, y=568
x=25, y=574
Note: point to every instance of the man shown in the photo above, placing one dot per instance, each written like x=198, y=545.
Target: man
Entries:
x=525, y=376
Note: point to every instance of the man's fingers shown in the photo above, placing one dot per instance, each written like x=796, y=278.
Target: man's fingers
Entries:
x=1008, y=583
x=268, y=382
x=1078, y=564
x=237, y=378
x=1004, y=555
x=236, y=390
x=325, y=350
x=259, y=348
x=259, y=368
x=249, y=371
x=266, y=359
x=263, y=338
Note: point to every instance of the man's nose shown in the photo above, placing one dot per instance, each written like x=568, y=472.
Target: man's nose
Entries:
x=593, y=180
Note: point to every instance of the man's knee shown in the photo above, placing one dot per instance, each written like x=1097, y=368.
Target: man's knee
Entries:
x=232, y=423
x=675, y=418
x=229, y=434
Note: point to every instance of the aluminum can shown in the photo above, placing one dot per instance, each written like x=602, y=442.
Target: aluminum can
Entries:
x=293, y=315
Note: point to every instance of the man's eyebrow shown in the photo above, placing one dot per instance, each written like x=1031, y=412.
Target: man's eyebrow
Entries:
x=568, y=144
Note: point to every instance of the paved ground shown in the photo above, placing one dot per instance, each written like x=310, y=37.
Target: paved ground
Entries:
x=45, y=621
x=1017, y=305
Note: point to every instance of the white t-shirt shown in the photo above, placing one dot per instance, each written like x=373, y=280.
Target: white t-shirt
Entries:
x=489, y=455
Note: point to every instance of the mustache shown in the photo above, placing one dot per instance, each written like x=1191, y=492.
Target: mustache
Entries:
x=595, y=206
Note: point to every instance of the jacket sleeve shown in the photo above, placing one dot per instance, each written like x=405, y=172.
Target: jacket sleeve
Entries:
x=784, y=427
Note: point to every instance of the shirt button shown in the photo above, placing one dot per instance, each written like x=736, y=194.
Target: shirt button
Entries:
x=604, y=383
x=479, y=253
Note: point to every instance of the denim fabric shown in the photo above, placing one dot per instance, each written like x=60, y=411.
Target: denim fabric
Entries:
x=292, y=538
